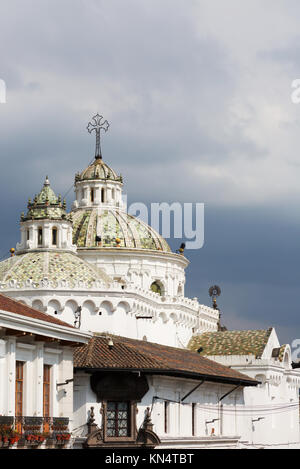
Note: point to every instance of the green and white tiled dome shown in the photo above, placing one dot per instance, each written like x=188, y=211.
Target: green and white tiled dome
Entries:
x=109, y=224
x=46, y=205
x=98, y=170
x=52, y=267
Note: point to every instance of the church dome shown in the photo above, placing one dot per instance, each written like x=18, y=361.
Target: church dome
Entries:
x=110, y=227
x=35, y=267
x=98, y=213
x=98, y=170
x=46, y=205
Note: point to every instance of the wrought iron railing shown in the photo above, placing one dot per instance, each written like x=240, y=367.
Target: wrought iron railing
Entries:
x=34, y=429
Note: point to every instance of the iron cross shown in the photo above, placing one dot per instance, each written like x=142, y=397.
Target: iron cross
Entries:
x=97, y=125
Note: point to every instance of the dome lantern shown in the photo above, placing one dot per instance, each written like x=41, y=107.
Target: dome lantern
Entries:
x=46, y=224
x=98, y=185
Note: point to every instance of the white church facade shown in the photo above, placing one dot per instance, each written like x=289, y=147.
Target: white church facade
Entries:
x=140, y=377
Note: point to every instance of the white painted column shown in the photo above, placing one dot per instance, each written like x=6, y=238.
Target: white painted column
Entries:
x=11, y=371
x=46, y=235
x=23, y=236
x=109, y=198
x=3, y=377
x=34, y=234
x=60, y=236
x=97, y=198
x=53, y=390
x=65, y=392
x=39, y=378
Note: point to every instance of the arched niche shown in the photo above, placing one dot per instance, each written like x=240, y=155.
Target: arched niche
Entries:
x=69, y=311
x=174, y=317
x=163, y=317
x=54, y=307
x=89, y=307
x=124, y=306
x=107, y=307
x=38, y=304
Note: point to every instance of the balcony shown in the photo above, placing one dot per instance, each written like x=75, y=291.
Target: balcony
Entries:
x=24, y=431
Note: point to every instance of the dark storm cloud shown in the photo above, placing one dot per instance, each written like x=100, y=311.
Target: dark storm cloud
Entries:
x=198, y=113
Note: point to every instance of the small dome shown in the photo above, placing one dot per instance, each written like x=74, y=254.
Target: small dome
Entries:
x=46, y=205
x=110, y=224
x=98, y=170
x=50, y=266
x=47, y=194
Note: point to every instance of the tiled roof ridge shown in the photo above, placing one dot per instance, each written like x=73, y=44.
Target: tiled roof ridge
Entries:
x=267, y=330
x=131, y=342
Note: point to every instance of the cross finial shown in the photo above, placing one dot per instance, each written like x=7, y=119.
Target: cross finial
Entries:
x=97, y=125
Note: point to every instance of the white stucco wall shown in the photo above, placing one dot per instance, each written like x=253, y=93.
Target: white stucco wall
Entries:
x=271, y=408
x=172, y=321
x=34, y=357
x=162, y=388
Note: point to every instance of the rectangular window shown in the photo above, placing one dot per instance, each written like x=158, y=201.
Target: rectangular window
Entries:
x=193, y=419
x=19, y=395
x=166, y=416
x=54, y=236
x=46, y=397
x=92, y=195
x=40, y=237
x=118, y=419
x=19, y=387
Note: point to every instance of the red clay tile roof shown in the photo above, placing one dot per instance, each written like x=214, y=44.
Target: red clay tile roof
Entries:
x=14, y=306
x=131, y=354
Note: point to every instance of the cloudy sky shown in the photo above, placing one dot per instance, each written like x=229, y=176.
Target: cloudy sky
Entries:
x=198, y=95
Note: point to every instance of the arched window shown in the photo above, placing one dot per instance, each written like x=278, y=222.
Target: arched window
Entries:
x=113, y=194
x=40, y=236
x=54, y=236
x=102, y=195
x=92, y=195
x=156, y=287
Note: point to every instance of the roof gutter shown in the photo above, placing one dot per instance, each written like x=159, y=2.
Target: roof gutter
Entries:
x=176, y=373
x=18, y=321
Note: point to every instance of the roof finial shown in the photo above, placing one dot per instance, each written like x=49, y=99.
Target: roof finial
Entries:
x=97, y=126
x=214, y=292
x=47, y=182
